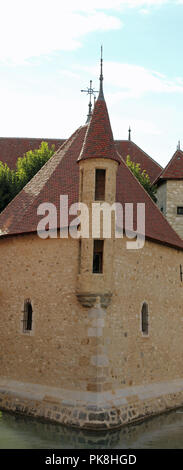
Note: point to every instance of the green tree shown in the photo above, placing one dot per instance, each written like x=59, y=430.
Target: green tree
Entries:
x=142, y=177
x=32, y=161
x=12, y=181
x=8, y=185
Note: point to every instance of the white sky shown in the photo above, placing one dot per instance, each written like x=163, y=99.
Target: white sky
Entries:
x=51, y=49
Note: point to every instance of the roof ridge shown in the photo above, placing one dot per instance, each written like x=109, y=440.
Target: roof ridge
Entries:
x=32, y=184
x=145, y=153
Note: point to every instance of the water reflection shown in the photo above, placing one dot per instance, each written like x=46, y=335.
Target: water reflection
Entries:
x=165, y=432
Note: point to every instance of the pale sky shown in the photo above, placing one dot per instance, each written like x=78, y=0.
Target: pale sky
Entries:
x=50, y=50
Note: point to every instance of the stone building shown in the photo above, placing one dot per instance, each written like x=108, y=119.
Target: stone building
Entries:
x=170, y=191
x=91, y=329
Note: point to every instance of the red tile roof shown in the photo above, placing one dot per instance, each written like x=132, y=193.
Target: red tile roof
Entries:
x=99, y=142
x=12, y=147
x=60, y=175
x=137, y=155
x=157, y=228
x=174, y=169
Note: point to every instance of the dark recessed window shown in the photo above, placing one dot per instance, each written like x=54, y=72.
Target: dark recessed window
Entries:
x=27, y=319
x=98, y=247
x=79, y=257
x=81, y=185
x=161, y=209
x=180, y=210
x=144, y=319
x=100, y=185
x=181, y=273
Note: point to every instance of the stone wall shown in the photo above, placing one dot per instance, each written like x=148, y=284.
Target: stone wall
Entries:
x=88, y=411
x=57, y=351
x=174, y=199
x=161, y=197
x=93, y=346
x=150, y=275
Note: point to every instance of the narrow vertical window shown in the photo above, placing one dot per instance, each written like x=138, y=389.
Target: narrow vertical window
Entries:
x=100, y=185
x=98, y=247
x=27, y=319
x=144, y=319
x=79, y=258
x=81, y=185
x=181, y=272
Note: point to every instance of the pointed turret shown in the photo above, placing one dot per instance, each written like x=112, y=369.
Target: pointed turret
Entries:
x=99, y=142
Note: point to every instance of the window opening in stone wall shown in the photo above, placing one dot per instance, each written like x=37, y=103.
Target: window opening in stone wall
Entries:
x=27, y=319
x=81, y=185
x=144, y=319
x=98, y=247
x=180, y=210
x=79, y=258
x=100, y=185
x=181, y=273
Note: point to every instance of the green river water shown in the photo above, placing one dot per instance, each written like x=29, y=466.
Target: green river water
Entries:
x=160, y=432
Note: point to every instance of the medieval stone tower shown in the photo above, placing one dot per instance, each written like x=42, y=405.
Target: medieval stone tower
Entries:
x=91, y=330
x=98, y=164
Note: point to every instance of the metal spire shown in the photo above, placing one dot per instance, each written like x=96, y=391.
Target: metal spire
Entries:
x=101, y=94
x=129, y=133
x=178, y=146
x=90, y=91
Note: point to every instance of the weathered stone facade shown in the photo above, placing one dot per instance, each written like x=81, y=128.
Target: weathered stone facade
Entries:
x=97, y=354
x=162, y=197
x=89, y=359
x=171, y=193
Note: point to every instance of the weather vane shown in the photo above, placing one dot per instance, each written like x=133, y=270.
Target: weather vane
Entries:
x=90, y=91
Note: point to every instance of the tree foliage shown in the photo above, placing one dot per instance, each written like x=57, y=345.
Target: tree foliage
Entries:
x=12, y=181
x=7, y=185
x=142, y=177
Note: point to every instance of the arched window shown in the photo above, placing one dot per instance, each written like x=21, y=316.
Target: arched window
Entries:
x=27, y=319
x=144, y=319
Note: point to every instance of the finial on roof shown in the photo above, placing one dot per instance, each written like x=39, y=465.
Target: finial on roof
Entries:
x=101, y=93
x=90, y=91
x=129, y=133
x=178, y=146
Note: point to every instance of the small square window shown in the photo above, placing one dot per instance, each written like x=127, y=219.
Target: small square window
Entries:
x=180, y=210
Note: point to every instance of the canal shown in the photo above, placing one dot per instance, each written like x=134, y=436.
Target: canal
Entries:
x=160, y=432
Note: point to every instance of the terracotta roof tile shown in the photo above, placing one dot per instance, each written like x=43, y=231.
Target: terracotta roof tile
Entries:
x=13, y=147
x=157, y=228
x=59, y=176
x=174, y=169
x=137, y=155
x=99, y=142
